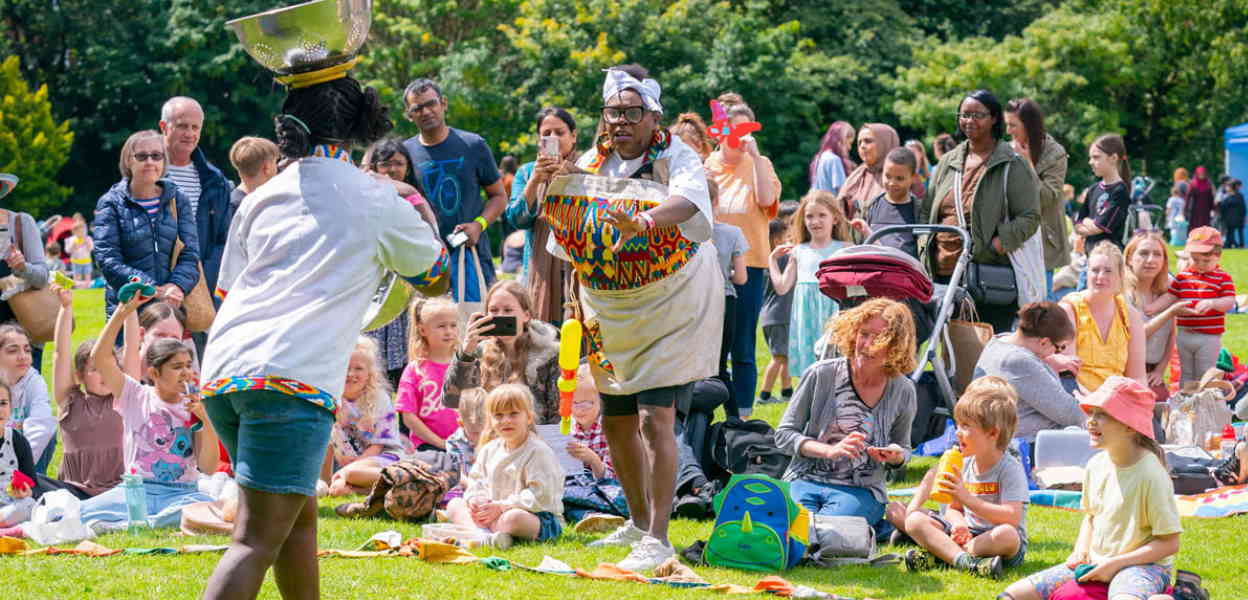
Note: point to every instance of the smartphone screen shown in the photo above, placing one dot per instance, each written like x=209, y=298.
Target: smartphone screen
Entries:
x=503, y=326
x=548, y=146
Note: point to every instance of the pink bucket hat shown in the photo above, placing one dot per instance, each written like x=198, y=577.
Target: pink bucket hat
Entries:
x=1126, y=400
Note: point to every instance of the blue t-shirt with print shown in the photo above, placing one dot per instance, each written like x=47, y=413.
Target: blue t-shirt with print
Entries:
x=453, y=173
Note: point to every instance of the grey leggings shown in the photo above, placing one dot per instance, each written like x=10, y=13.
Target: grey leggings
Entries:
x=1198, y=352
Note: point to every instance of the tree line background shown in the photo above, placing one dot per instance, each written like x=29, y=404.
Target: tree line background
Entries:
x=82, y=75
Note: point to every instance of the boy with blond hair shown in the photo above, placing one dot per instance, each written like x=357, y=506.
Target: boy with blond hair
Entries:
x=983, y=530
x=255, y=159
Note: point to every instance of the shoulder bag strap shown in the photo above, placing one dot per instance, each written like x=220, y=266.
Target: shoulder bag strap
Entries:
x=16, y=219
x=177, y=237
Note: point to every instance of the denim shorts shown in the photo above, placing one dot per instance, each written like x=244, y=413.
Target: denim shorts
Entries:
x=81, y=270
x=550, y=527
x=276, y=442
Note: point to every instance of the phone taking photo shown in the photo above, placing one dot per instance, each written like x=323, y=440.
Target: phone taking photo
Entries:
x=457, y=239
x=548, y=146
x=504, y=326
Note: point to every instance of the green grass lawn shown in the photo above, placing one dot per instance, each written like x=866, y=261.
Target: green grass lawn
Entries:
x=1213, y=548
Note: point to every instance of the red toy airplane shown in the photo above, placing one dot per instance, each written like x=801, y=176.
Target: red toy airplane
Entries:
x=724, y=131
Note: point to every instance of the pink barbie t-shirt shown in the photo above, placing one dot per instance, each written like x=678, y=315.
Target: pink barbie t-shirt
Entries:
x=420, y=393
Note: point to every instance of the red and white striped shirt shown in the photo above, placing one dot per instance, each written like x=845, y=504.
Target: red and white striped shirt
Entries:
x=1192, y=287
x=596, y=439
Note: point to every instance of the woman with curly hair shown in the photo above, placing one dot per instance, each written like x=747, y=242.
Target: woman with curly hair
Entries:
x=850, y=417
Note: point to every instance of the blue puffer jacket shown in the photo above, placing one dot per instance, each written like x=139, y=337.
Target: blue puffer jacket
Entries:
x=131, y=243
x=213, y=217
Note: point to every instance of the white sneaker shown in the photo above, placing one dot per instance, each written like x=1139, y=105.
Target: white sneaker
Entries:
x=626, y=535
x=646, y=555
x=500, y=540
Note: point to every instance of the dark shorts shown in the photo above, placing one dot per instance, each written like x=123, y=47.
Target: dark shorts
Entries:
x=550, y=527
x=664, y=397
x=276, y=442
x=1012, y=561
x=777, y=337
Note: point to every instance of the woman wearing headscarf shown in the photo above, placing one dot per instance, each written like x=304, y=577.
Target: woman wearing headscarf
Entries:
x=986, y=187
x=875, y=141
x=1199, y=201
x=831, y=164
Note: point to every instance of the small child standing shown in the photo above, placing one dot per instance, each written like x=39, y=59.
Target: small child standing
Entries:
x=515, y=489
x=730, y=247
x=365, y=437
x=898, y=176
x=1174, y=207
x=774, y=319
x=819, y=229
x=52, y=256
x=1130, y=533
x=1210, y=294
x=983, y=530
x=433, y=337
x=79, y=247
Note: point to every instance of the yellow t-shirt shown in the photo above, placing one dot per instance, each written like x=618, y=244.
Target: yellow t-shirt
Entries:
x=1129, y=506
x=738, y=204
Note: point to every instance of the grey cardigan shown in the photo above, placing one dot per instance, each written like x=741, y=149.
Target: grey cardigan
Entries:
x=36, y=273
x=1042, y=401
x=811, y=411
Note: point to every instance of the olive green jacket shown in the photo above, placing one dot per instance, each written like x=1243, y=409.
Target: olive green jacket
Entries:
x=988, y=208
x=1051, y=171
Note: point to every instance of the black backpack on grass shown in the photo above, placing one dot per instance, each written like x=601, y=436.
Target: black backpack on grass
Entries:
x=743, y=447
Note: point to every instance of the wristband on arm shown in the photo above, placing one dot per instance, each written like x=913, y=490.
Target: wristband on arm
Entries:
x=482, y=222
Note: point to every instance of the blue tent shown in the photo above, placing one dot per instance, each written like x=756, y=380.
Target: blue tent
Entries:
x=1237, y=151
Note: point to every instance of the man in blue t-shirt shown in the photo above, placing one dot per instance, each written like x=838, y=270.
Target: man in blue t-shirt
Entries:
x=454, y=166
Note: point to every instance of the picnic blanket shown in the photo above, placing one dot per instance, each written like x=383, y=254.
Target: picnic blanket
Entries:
x=1222, y=502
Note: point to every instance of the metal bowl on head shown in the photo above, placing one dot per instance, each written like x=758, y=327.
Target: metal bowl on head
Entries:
x=305, y=37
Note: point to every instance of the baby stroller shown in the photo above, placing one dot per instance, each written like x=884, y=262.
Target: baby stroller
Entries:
x=1144, y=216
x=856, y=273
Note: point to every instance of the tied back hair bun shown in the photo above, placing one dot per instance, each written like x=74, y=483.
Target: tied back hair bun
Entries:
x=335, y=112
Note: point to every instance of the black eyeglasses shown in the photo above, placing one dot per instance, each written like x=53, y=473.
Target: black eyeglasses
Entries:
x=152, y=156
x=1060, y=348
x=972, y=116
x=391, y=164
x=623, y=114
x=415, y=109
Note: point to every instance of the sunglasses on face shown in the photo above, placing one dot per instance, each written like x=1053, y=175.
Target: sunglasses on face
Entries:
x=152, y=156
x=623, y=114
x=416, y=109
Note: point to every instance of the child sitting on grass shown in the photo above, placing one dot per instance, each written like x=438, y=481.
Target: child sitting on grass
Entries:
x=589, y=443
x=515, y=488
x=461, y=446
x=1130, y=533
x=984, y=529
x=365, y=437
x=17, y=468
x=432, y=339
x=31, y=407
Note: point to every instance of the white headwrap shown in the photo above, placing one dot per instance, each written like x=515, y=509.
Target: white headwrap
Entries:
x=617, y=81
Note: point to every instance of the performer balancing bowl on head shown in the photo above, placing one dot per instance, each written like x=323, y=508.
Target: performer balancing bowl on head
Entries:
x=635, y=222
x=305, y=253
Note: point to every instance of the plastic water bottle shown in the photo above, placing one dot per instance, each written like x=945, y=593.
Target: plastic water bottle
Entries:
x=1228, y=441
x=136, y=500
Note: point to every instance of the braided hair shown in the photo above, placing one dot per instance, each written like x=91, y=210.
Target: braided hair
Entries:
x=339, y=112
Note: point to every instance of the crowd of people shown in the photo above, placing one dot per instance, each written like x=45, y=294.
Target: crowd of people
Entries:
x=181, y=383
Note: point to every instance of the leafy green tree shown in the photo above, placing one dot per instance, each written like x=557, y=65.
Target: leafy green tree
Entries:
x=1157, y=71
x=33, y=145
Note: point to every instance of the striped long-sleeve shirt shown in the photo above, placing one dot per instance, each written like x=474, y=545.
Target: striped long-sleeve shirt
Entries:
x=1192, y=286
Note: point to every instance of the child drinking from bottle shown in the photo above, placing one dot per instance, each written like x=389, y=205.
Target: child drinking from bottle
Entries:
x=1130, y=533
x=983, y=530
x=515, y=488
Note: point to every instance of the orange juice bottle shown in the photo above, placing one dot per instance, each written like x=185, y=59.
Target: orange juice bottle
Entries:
x=950, y=462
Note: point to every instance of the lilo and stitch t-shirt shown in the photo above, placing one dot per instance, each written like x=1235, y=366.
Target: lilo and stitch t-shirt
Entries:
x=159, y=440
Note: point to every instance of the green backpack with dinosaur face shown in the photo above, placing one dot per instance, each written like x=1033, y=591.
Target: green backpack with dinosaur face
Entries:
x=758, y=526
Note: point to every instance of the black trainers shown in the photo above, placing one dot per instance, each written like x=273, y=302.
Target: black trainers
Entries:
x=921, y=560
x=990, y=567
x=899, y=538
